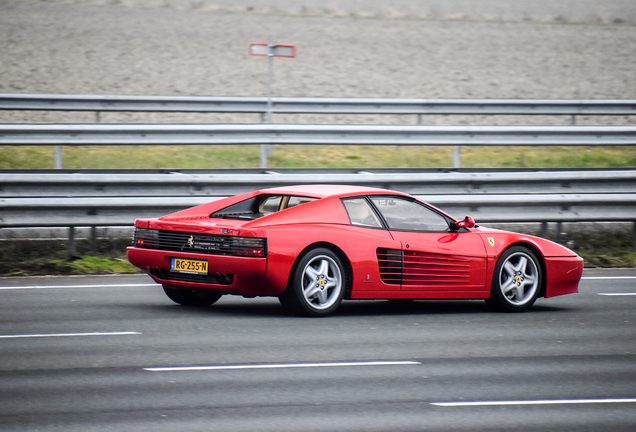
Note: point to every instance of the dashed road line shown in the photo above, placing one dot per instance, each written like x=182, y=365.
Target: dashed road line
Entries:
x=24, y=287
x=533, y=402
x=607, y=277
x=281, y=366
x=43, y=335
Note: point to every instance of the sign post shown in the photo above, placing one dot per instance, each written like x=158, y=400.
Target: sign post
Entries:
x=270, y=51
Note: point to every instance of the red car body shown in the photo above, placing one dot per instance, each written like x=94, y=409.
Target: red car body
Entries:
x=257, y=253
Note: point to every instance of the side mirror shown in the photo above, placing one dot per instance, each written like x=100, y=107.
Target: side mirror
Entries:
x=467, y=222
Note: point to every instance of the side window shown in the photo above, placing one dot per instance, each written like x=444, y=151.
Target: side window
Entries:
x=404, y=215
x=270, y=205
x=297, y=200
x=360, y=213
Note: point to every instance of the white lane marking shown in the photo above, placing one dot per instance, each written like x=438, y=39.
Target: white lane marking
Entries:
x=533, y=402
x=154, y=284
x=68, y=335
x=281, y=366
x=606, y=277
x=617, y=294
x=74, y=286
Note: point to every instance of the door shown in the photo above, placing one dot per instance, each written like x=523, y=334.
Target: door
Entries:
x=434, y=257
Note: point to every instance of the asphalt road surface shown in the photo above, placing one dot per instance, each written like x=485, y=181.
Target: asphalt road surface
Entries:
x=114, y=354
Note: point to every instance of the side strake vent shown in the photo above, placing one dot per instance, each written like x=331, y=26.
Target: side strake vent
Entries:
x=201, y=243
x=426, y=269
x=391, y=263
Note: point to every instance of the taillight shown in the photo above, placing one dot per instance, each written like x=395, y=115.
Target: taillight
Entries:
x=249, y=247
x=146, y=238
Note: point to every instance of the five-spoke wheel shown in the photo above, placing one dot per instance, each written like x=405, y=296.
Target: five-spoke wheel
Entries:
x=516, y=281
x=317, y=284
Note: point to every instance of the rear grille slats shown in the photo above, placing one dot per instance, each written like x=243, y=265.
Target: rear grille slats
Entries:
x=254, y=247
x=181, y=241
x=211, y=244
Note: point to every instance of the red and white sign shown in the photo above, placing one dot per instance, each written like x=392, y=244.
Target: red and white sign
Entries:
x=264, y=49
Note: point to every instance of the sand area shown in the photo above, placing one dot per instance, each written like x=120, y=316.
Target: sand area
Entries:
x=578, y=49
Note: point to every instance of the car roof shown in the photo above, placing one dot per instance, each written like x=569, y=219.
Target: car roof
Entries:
x=323, y=191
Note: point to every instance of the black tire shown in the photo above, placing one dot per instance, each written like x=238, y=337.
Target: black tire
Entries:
x=516, y=281
x=317, y=284
x=196, y=298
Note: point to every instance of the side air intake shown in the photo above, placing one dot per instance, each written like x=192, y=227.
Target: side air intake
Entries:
x=391, y=263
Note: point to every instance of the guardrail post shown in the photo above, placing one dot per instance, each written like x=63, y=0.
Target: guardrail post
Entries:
x=93, y=239
x=263, y=156
x=457, y=155
x=72, y=249
x=59, y=164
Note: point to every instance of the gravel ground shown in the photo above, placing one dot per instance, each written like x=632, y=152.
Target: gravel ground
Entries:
x=582, y=49
x=400, y=49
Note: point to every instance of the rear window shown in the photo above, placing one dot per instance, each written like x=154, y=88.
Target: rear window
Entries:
x=259, y=206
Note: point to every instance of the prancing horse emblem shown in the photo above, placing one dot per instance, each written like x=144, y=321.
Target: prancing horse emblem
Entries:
x=190, y=243
x=491, y=241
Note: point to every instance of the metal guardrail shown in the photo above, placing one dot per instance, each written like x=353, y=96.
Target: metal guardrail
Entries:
x=115, y=211
x=114, y=198
x=111, y=199
x=210, y=183
x=44, y=102
x=268, y=106
x=197, y=134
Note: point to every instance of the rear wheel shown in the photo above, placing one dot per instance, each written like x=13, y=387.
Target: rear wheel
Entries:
x=516, y=281
x=185, y=297
x=317, y=285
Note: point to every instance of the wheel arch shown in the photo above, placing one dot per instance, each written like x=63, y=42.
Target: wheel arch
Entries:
x=336, y=250
x=537, y=252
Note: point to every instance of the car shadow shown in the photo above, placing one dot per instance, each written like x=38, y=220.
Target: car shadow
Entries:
x=351, y=308
x=415, y=307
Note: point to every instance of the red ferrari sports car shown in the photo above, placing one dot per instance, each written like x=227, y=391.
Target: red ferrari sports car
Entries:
x=313, y=246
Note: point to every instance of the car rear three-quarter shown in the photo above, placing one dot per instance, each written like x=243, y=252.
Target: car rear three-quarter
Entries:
x=313, y=246
x=244, y=245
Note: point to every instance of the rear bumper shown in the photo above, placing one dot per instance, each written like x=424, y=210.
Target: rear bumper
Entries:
x=226, y=274
x=563, y=275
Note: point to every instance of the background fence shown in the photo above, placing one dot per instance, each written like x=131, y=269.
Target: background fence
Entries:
x=115, y=198
x=98, y=103
x=284, y=134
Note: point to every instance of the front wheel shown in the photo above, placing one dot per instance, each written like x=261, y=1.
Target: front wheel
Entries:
x=516, y=281
x=317, y=284
x=185, y=297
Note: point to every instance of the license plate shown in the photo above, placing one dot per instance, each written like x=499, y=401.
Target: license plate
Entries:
x=189, y=266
